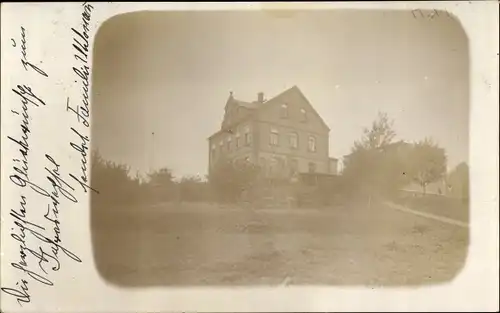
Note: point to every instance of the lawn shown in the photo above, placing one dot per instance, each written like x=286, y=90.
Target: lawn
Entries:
x=202, y=244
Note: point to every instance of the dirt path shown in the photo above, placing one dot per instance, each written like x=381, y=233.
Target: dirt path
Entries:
x=427, y=215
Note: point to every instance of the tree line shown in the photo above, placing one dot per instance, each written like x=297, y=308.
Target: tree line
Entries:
x=227, y=183
x=377, y=165
x=381, y=165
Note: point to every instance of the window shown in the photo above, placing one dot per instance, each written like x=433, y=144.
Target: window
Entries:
x=312, y=144
x=294, y=140
x=221, y=145
x=312, y=167
x=229, y=144
x=274, y=137
x=303, y=115
x=284, y=110
x=213, y=151
x=238, y=140
x=248, y=136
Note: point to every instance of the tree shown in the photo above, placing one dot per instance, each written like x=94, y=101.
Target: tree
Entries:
x=192, y=188
x=379, y=135
x=458, y=181
x=161, y=177
x=112, y=181
x=161, y=184
x=395, y=166
x=366, y=167
x=429, y=162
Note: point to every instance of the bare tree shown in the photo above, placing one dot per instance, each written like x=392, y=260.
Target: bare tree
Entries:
x=379, y=135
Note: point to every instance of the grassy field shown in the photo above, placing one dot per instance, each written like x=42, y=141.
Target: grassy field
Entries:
x=202, y=244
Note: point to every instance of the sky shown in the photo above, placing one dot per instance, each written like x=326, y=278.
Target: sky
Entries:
x=160, y=80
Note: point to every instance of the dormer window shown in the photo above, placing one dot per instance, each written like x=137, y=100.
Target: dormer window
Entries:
x=229, y=144
x=303, y=115
x=284, y=110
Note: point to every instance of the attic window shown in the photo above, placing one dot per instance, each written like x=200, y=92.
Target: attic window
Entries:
x=303, y=115
x=284, y=110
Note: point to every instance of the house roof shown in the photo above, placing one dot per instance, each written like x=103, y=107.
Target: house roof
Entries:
x=257, y=105
x=296, y=89
x=250, y=105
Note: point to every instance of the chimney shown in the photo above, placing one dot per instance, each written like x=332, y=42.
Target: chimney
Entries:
x=260, y=97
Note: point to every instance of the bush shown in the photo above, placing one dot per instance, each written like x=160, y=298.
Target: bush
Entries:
x=229, y=181
x=113, y=183
x=192, y=188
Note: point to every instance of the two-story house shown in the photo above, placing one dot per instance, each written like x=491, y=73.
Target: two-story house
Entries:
x=284, y=135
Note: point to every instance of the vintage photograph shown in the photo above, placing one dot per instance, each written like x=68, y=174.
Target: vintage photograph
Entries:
x=280, y=148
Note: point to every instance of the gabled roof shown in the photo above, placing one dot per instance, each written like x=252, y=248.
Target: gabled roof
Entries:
x=258, y=105
x=299, y=92
x=232, y=100
x=250, y=105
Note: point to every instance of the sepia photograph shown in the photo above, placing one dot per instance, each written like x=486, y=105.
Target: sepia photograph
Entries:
x=280, y=148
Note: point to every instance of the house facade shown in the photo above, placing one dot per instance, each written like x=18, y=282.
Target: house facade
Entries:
x=284, y=135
